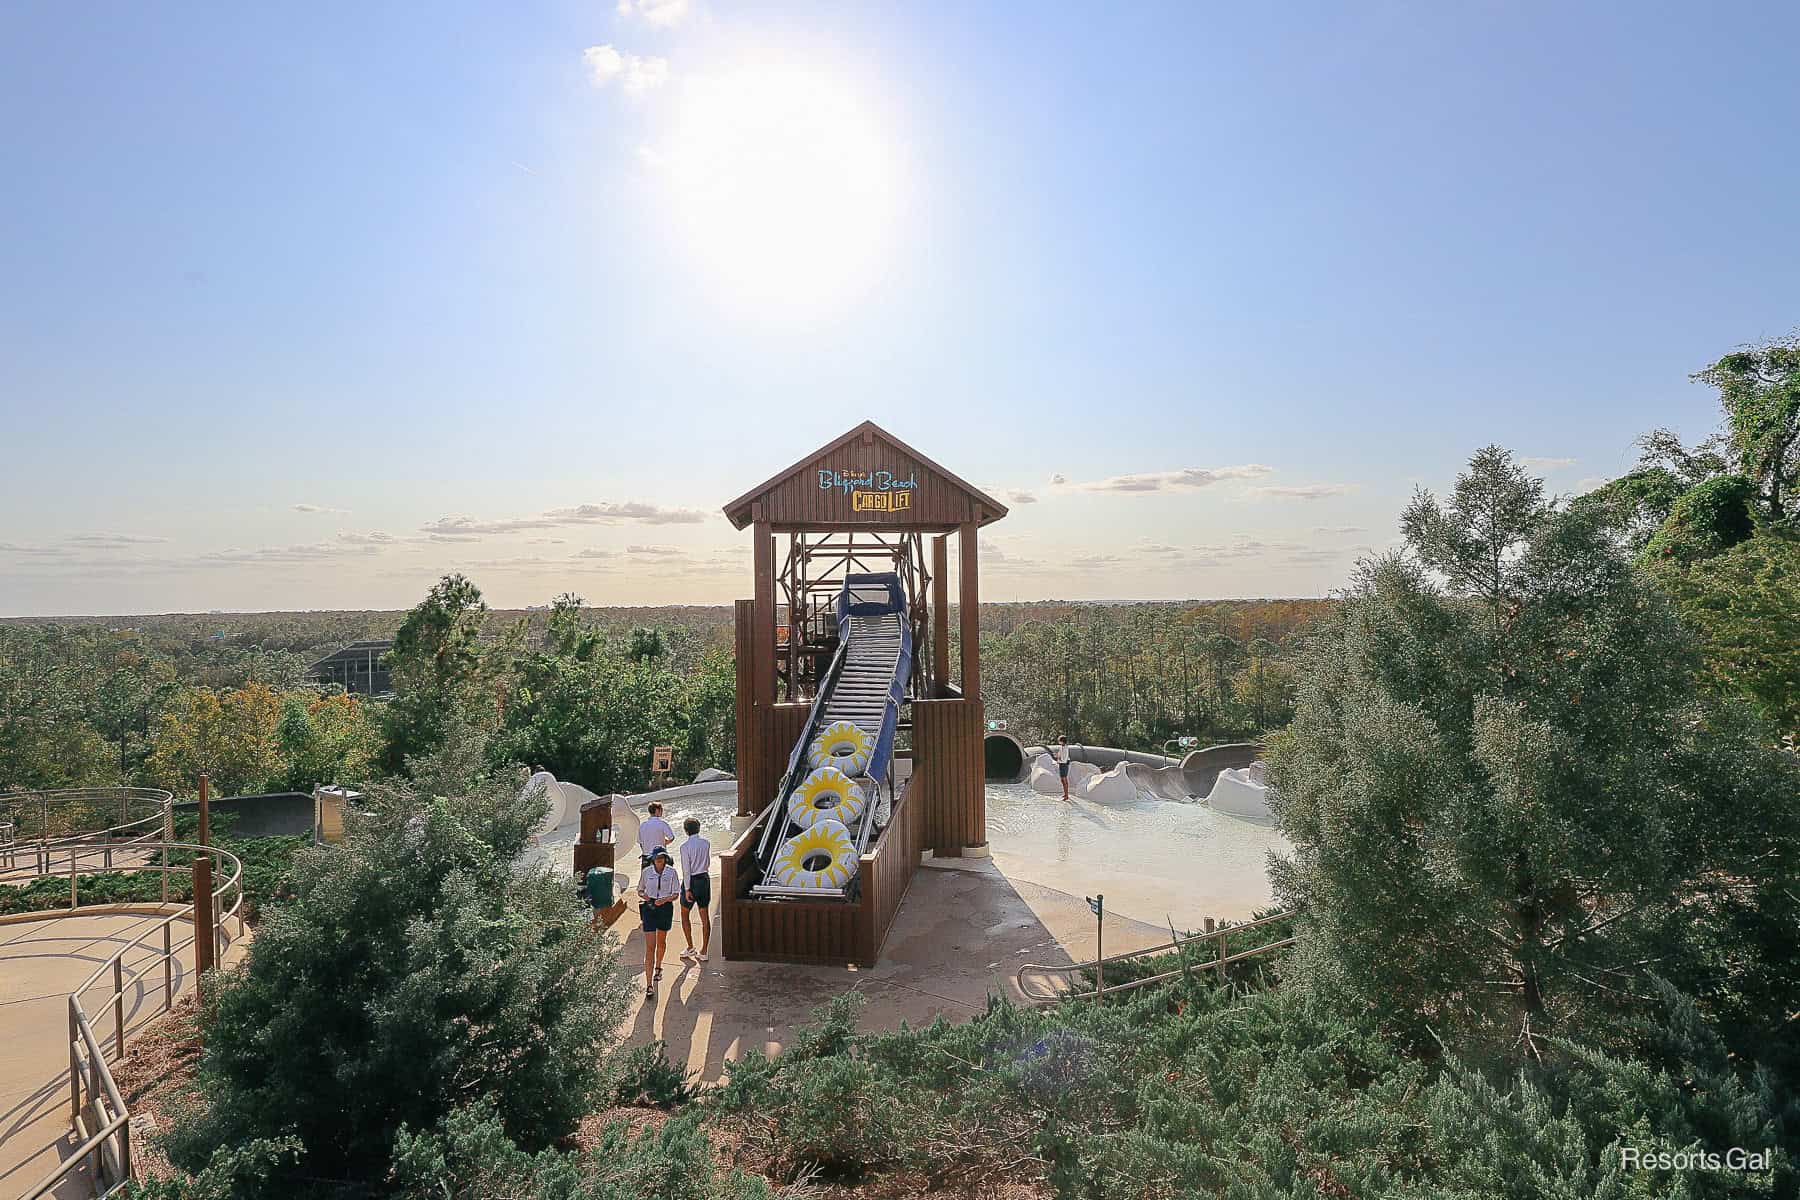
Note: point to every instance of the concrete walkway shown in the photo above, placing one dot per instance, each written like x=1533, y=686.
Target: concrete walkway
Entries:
x=964, y=929
x=41, y=960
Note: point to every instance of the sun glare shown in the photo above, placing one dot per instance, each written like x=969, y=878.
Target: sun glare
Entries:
x=783, y=187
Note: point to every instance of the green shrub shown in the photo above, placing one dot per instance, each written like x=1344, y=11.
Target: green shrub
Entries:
x=417, y=969
x=470, y=1156
x=644, y=1075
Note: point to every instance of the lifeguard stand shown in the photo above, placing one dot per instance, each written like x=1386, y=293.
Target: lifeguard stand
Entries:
x=864, y=503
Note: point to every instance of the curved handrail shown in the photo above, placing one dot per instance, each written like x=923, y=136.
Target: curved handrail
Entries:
x=89, y=1071
x=1217, y=936
x=157, y=822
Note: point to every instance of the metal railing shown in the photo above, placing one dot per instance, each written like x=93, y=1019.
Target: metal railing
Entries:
x=1176, y=945
x=100, y=1115
x=38, y=823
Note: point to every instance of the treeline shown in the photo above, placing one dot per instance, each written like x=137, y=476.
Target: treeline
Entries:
x=1137, y=675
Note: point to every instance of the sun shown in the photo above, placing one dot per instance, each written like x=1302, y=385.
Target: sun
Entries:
x=783, y=186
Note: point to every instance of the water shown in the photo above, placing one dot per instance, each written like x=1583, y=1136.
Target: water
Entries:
x=1155, y=860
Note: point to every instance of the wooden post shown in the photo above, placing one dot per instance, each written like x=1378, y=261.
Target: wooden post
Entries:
x=763, y=646
x=119, y=1005
x=969, y=591
x=205, y=820
x=1099, y=905
x=204, y=944
x=940, y=615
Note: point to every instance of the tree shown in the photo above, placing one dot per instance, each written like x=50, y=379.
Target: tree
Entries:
x=1745, y=606
x=418, y=969
x=231, y=736
x=1759, y=388
x=1505, y=791
x=646, y=645
x=436, y=666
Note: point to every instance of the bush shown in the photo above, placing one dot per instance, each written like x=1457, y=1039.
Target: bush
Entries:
x=644, y=1075
x=470, y=1156
x=416, y=970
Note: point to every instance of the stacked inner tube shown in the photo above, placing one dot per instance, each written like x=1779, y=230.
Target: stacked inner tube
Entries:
x=823, y=855
x=841, y=745
x=826, y=795
x=825, y=805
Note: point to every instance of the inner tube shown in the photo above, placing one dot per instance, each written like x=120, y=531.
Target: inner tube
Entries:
x=821, y=856
x=826, y=795
x=841, y=745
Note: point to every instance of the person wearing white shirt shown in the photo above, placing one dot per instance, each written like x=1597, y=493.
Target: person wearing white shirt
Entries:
x=1059, y=753
x=696, y=891
x=653, y=833
x=657, y=888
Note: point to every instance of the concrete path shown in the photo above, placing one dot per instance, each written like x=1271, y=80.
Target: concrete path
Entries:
x=41, y=960
x=963, y=930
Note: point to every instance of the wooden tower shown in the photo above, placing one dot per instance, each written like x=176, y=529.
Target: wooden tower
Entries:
x=865, y=502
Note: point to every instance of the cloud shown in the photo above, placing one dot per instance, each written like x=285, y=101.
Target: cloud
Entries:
x=1058, y=479
x=372, y=538
x=1186, y=478
x=1302, y=491
x=1591, y=482
x=655, y=551
x=594, y=552
x=662, y=14
x=33, y=551
x=468, y=528
x=1021, y=496
x=316, y=508
x=1339, y=529
x=635, y=73
x=112, y=540
x=1091, y=562
x=1545, y=464
x=1157, y=548
x=279, y=555
x=630, y=510
x=991, y=553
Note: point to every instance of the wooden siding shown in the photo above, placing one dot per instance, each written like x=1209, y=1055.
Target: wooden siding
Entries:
x=821, y=931
x=948, y=771
x=765, y=733
x=887, y=871
x=798, y=502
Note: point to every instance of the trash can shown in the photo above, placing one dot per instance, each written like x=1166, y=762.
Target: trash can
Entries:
x=599, y=886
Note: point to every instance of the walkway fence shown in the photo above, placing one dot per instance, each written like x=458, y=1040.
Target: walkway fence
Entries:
x=136, y=835
x=1052, y=983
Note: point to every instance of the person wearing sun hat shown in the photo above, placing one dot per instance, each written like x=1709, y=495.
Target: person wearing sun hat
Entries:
x=658, y=886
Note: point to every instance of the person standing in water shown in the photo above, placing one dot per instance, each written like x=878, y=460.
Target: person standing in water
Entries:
x=696, y=891
x=1060, y=753
x=657, y=888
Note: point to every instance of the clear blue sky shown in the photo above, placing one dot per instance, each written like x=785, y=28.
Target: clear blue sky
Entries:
x=496, y=262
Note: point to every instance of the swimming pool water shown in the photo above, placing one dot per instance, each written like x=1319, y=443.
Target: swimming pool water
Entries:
x=1154, y=860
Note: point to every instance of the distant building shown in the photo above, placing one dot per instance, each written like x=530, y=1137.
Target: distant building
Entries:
x=360, y=667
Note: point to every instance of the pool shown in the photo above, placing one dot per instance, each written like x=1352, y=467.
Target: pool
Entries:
x=1155, y=860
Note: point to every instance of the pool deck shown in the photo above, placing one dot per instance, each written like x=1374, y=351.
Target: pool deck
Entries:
x=963, y=931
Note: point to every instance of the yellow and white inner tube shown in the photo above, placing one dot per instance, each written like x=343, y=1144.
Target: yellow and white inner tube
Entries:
x=826, y=795
x=841, y=745
x=820, y=856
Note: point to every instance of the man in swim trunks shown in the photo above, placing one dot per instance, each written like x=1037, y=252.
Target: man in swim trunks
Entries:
x=1060, y=753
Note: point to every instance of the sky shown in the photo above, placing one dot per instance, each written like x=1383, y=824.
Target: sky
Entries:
x=305, y=307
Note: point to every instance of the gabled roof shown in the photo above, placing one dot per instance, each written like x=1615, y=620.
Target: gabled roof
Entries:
x=983, y=508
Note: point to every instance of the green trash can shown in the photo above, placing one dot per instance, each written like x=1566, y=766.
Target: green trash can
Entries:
x=600, y=887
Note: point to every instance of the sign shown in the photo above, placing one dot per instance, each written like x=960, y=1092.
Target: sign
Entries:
x=1097, y=904
x=662, y=760
x=871, y=491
